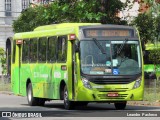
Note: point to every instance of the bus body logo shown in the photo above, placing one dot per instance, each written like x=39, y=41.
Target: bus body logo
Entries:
x=57, y=75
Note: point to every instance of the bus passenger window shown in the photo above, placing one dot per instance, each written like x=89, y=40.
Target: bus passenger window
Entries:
x=51, y=51
x=62, y=49
x=33, y=50
x=25, y=51
x=42, y=49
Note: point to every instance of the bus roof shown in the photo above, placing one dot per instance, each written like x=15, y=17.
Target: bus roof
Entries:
x=63, y=29
x=63, y=25
x=49, y=30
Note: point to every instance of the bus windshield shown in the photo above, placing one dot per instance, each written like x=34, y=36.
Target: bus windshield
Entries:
x=110, y=57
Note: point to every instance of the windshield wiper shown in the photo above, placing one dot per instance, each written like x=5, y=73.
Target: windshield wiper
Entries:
x=99, y=45
x=122, y=46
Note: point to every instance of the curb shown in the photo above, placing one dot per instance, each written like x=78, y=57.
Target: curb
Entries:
x=144, y=103
x=6, y=92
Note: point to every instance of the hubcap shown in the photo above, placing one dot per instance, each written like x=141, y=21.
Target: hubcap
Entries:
x=66, y=97
x=29, y=95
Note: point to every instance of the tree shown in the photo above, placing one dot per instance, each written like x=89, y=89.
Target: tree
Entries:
x=154, y=56
x=103, y=11
x=145, y=26
x=3, y=60
x=148, y=23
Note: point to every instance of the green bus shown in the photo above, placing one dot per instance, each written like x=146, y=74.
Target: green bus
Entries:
x=151, y=71
x=78, y=63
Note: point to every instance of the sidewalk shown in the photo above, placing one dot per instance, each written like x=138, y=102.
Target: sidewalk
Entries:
x=6, y=92
x=144, y=103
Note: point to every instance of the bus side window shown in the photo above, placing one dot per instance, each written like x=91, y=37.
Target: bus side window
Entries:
x=51, y=51
x=42, y=49
x=33, y=50
x=14, y=51
x=62, y=49
x=25, y=51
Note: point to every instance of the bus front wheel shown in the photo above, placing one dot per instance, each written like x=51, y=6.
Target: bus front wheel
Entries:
x=67, y=103
x=120, y=105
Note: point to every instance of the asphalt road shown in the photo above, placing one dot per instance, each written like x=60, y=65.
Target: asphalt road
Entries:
x=18, y=104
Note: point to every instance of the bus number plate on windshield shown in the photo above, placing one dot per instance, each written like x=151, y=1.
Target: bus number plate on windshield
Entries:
x=112, y=94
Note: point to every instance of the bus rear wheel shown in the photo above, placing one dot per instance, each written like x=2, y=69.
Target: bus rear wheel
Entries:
x=120, y=105
x=67, y=103
x=33, y=101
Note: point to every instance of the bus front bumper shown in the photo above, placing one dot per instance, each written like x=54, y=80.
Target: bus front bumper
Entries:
x=92, y=95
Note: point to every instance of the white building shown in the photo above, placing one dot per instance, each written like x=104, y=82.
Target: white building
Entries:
x=129, y=13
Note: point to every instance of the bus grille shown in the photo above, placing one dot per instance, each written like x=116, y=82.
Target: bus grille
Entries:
x=112, y=81
x=119, y=97
x=111, y=90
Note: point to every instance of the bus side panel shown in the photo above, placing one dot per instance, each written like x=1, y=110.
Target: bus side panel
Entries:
x=25, y=75
x=43, y=86
x=15, y=80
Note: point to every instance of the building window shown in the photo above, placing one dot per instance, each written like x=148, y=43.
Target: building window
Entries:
x=42, y=1
x=45, y=1
x=8, y=7
x=25, y=4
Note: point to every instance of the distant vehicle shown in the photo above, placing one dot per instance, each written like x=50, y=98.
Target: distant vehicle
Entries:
x=151, y=71
x=78, y=63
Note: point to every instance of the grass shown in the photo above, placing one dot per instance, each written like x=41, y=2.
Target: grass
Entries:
x=150, y=94
x=5, y=86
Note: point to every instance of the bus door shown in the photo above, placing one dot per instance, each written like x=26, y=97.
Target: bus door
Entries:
x=19, y=43
x=74, y=69
x=65, y=63
x=74, y=82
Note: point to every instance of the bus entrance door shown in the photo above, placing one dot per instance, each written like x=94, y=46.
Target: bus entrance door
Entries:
x=19, y=43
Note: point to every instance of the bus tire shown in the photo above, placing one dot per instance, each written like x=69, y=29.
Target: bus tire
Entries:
x=67, y=103
x=32, y=101
x=81, y=104
x=120, y=105
x=41, y=101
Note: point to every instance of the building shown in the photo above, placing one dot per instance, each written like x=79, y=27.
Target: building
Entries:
x=139, y=6
x=129, y=13
x=9, y=11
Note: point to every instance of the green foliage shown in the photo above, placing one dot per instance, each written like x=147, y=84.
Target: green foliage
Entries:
x=148, y=23
x=3, y=60
x=154, y=56
x=144, y=23
x=61, y=11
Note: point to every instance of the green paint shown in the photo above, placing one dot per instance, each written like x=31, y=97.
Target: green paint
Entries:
x=46, y=77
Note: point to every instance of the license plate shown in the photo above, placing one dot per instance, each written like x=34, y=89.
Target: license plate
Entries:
x=112, y=94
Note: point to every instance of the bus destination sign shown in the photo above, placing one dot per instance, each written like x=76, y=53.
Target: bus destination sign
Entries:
x=107, y=33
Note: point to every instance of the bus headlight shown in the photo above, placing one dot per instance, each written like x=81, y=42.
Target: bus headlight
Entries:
x=86, y=83
x=137, y=83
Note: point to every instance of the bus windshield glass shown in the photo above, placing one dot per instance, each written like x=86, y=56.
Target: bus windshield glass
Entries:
x=110, y=57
